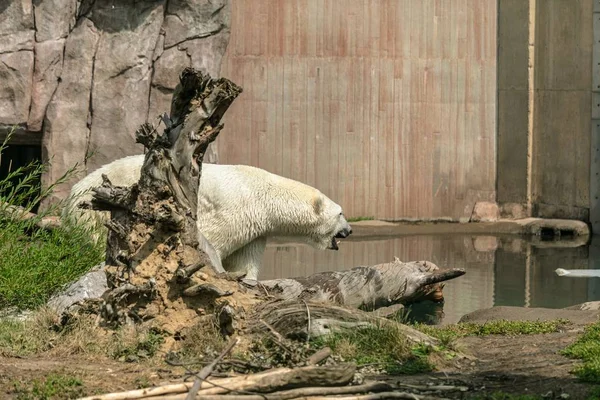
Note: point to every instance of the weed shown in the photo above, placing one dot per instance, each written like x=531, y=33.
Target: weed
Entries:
x=54, y=386
x=447, y=334
x=201, y=340
x=145, y=345
x=36, y=262
x=385, y=345
x=587, y=349
x=42, y=334
x=507, y=396
x=594, y=394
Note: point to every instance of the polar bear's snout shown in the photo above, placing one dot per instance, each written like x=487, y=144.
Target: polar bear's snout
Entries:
x=344, y=233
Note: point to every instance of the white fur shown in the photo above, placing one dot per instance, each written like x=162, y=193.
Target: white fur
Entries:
x=239, y=207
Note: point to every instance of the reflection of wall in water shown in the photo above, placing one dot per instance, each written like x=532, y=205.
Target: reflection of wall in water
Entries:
x=525, y=275
x=463, y=295
x=550, y=290
x=510, y=282
x=594, y=263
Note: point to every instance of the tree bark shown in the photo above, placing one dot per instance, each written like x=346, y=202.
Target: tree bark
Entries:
x=152, y=231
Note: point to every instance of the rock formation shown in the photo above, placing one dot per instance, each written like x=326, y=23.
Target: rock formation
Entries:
x=84, y=74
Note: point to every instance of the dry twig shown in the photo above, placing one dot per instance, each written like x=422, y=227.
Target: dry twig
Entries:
x=206, y=371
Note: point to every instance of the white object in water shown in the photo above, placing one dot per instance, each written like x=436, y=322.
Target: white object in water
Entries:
x=578, y=273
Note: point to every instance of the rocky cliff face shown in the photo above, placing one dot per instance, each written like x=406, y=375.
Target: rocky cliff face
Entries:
x=84, y=74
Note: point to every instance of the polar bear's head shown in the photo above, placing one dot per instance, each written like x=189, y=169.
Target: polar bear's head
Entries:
x=332, y=224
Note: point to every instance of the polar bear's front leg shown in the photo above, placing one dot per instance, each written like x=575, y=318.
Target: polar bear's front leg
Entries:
x=247, y=259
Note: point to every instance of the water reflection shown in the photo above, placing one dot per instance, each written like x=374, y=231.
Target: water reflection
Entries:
x=500, y=270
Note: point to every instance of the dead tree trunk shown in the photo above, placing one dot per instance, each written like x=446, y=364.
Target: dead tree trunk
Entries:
x=153, y=242
x=155, y=251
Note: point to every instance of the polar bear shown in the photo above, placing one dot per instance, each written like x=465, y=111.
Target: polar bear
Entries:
x=239, y=207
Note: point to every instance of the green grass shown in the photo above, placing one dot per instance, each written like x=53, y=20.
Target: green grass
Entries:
x=448, y=334
x=35, y=263
x=385, y=347
x=587, y=349
x=43, y=333
x=54, y=386
x=145, y=347
x=507, y=396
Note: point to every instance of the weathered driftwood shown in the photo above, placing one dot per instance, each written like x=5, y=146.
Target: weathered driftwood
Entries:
x=320, y=355
x=369, y=287
x=262, y=382
x=290, y=319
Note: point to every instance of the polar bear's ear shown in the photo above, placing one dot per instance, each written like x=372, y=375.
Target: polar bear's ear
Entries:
x=317, y=204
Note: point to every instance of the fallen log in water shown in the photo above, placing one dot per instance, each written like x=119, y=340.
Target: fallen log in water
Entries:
x=370, y=287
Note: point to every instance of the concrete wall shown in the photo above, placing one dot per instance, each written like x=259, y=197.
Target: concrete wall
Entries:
x=545, y=106
x=388, y=107
x=562, y=114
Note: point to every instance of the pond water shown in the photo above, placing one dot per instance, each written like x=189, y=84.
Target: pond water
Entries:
x=501, y=271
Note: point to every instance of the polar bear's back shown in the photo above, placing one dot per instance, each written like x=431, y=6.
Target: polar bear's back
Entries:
x=238, y=182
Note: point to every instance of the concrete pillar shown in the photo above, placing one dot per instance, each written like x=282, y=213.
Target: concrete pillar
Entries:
x=544, y=108
x=513, y=87
x=595, y=147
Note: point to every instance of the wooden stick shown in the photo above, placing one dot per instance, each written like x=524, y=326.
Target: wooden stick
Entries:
x=278, y=337
x=319, y=356
x=184, y=274
x=268, y=381
x=206, y=371
x=300, y=393
x=382, y=395
x=205, y=289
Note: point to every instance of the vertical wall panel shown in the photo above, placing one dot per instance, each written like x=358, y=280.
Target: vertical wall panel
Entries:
x=387, y=106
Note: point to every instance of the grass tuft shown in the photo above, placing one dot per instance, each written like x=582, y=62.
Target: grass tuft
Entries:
x=54, y=386
x=35, y=263
x=507, y=396
x=43, y=334
x=587, y=349
x=447, y=334
x=385, y=346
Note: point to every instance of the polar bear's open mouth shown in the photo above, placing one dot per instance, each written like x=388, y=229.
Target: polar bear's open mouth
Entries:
x=344, y=233
x=334, y=244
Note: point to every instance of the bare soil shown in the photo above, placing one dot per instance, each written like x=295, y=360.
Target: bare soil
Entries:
x=529, y=364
